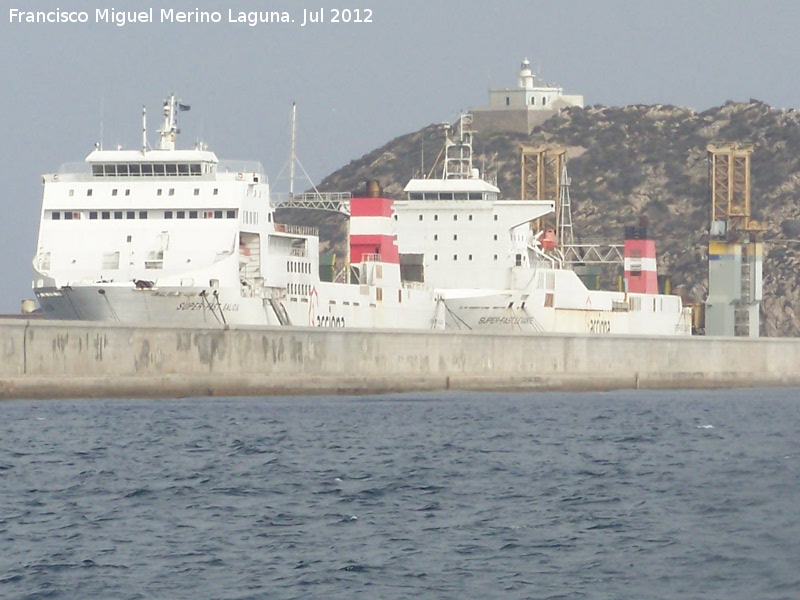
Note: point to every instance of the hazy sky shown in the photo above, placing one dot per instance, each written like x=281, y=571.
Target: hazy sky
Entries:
x=357, y=85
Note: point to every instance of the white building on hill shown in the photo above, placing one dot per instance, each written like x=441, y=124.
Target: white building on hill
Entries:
x=524, y=107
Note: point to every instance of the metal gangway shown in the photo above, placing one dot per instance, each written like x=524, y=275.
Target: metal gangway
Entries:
x=338, y=202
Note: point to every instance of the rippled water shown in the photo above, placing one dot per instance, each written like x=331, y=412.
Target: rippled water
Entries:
x=615, y=495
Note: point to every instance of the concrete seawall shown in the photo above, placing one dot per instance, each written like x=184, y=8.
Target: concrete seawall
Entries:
x=77, y=359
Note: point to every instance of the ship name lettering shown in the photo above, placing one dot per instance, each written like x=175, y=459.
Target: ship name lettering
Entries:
x=506, y=321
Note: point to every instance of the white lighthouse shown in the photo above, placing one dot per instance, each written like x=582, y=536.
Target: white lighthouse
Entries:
x=524, y=107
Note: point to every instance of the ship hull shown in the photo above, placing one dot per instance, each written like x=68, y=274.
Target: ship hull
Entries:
x=330, y=306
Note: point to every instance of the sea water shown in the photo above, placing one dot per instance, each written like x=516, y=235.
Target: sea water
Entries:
x=657, y=494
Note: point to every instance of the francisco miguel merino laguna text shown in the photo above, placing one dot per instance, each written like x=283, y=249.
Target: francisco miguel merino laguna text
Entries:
x=170, y=15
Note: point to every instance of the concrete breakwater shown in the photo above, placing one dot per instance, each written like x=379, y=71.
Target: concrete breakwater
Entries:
x=47, y=359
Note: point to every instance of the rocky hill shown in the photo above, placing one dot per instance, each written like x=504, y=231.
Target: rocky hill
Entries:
x=637, y=161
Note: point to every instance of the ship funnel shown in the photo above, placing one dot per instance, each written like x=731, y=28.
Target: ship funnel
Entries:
x=374, y=189
x=640, y=260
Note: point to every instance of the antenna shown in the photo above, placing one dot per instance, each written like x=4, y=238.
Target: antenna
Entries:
x=101, y=121
x=292, y=154
x=422, y=153
x=293, y=160
x=144, y=129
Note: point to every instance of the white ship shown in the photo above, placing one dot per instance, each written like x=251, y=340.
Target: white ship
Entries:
x=178, y=236
x=489, y=268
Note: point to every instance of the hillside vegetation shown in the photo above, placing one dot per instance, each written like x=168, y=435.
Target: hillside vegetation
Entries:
x=629, y=162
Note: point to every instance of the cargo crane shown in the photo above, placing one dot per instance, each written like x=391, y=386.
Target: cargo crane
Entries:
x=735, y=248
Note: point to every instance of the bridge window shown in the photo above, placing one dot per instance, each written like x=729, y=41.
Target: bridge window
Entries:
x=55, y=216
x=130, y=214
x=167, y=214
x=142, y=214
x=117, y=214
x=105, y=214
x=216, y=191
x=114, y=192
x=93, y=214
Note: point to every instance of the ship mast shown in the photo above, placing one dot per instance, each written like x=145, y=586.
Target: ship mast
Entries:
x=292, y=154
x=458, y=153
x=170, y=129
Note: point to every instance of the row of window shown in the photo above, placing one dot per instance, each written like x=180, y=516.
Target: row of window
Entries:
x=455, y=257
x=159, y=192
x=299, y=289
x=67, y=215
x=150, y=169
x=436, y=217
x=455, y=237
x=452, y=195
x=294, y=266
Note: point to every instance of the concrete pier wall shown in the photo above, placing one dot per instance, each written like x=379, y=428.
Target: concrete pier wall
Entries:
x=73, y=359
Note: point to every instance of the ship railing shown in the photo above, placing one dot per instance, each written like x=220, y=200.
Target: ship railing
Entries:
x=297, y=229
x=301, y=252
x=589, y=254
x=414, y=285
x=331, y=201
x=371, y=257
x=240, y=166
